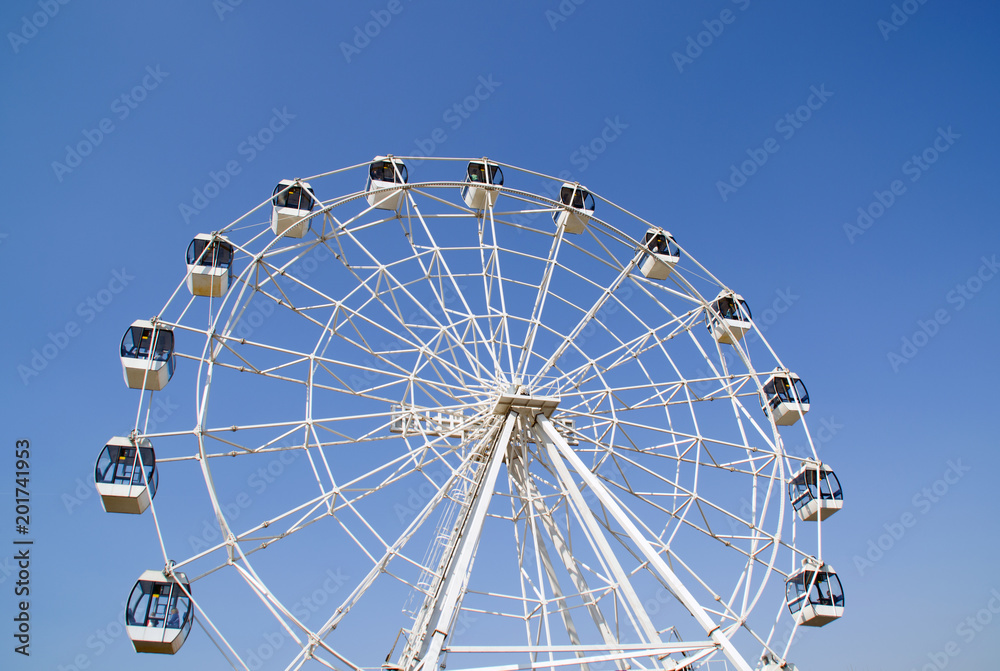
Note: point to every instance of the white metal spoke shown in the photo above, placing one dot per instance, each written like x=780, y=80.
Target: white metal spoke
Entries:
x=517, y=449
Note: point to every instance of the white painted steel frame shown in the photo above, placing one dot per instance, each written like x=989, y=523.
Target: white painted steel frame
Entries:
x=431, y=325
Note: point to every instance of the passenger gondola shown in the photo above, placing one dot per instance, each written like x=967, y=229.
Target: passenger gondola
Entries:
x=578, y=207
x=729, y=318
x=478, y=174
x=659, y=254
x=125, y=475
x=815, y=492
x=784, y=397
x=292, y=202
x=814, y=594
x=209, y=265
x=385, y=174
x=159, y=612
x=147, y=353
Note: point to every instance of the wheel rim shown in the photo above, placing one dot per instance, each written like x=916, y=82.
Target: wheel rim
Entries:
x=419, y=321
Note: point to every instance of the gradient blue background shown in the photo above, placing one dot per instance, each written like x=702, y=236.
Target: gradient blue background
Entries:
x=894, y=427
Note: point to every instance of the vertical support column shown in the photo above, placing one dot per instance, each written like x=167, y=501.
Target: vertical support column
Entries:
x=597, y=537
x=459, y=564
x=547, y=433
x=539, y=512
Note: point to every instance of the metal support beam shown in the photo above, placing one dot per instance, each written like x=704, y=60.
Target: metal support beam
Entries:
x=519, y=474
x=600, y=542
x=547, y=432
x=539, y=512
x=456, y=569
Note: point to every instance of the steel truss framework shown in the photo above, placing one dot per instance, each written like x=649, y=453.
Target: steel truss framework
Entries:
x=510, y=448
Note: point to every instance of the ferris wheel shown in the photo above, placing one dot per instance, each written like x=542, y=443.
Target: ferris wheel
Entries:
x=487, y=419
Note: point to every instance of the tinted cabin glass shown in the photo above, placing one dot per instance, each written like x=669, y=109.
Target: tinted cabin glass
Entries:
x=830, y=486
x=164, y=345
x=295, y=197
x=180, y=603
x=728, y=308
x=137, y=340
x=578, y=198
x=108, y=464
x=477, y=173
x=127, y=469
x=810, y=478
x=120, y=465
x=302, y=198
x=280, y=196
x=785, y=390
x=800, y=391
x=836, y=590
x=813, y=587
x=656, y=243
x=827, y=590
x=151, y=605
x=383, y=171
x=795, y=589
x=219, y=255
x=194, y=252
x=133, y=341
x=802, y=489
x=778, y=391
x=814, y=484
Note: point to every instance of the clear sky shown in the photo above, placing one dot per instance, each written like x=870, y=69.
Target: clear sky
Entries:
x=835, y=162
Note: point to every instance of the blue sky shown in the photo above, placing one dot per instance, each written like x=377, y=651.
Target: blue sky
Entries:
x=836, y=163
